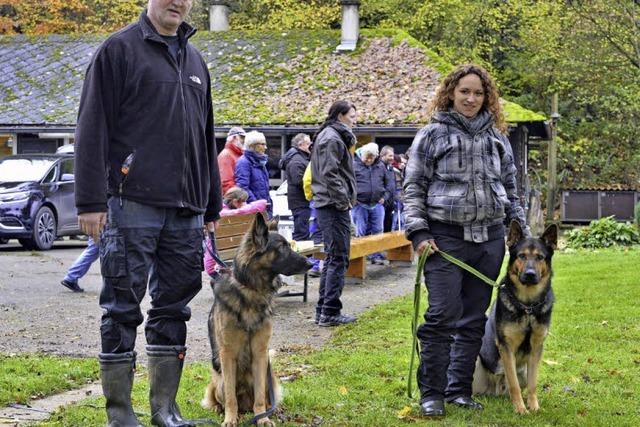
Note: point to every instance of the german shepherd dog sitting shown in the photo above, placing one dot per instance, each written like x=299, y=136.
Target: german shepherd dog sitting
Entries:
x=240, y=324
x=519, y=321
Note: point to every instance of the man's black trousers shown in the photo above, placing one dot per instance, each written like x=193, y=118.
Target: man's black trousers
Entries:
x=143, y=244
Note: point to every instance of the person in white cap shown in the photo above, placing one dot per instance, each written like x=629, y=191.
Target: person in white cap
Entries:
x=229, y=156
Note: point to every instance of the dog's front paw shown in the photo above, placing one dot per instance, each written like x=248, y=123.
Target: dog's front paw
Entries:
x=519, y=408
x=230, y=423
x=532, y=403
x=265, y=422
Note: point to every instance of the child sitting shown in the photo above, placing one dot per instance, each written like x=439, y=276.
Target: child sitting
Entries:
x=234, y=202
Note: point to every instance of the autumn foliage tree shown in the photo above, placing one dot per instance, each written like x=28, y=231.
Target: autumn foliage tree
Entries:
x=34, y=17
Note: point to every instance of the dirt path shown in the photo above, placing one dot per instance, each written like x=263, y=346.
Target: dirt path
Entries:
x=37, y=314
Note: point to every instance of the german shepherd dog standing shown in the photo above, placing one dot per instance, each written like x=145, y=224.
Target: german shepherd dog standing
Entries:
x=519, y=321
x=240, y=324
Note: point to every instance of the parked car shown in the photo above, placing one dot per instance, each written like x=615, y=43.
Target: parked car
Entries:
x=37, y=202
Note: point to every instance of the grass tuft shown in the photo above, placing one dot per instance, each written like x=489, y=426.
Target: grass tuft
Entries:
x=24, y=377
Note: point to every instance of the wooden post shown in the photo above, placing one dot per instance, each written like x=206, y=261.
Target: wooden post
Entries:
x=552, y=161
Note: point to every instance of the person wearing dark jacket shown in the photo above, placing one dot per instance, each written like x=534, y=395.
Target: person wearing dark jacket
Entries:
x=251, y=170
x=391, y=204
x=459, y=192
x=334, y=193
x=374, y=188
x=146, y=183
x=399, y=164
x=294, y=163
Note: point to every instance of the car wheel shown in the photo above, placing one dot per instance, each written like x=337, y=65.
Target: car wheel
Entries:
x=44, y=230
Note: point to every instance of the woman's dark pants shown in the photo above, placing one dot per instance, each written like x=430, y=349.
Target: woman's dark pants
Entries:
x=336, y=231
x=451, y=336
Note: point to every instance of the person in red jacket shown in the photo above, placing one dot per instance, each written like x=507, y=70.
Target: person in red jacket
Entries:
x=229, y=156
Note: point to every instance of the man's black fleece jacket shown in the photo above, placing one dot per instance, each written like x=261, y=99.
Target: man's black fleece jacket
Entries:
x=138, y=100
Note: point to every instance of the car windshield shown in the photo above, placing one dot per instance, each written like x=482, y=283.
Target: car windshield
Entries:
x=19, y=170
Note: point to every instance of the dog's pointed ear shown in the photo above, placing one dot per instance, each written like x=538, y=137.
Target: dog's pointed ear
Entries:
x=259, y=231
x=273, y=224
x=550, y=236
x=515, y=233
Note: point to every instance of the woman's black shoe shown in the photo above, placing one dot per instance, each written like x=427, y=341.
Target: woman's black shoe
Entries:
x=433, y=408
x=467, y=403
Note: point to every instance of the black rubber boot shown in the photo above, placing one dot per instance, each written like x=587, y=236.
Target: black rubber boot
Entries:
x=116, y=371
x=165, y=370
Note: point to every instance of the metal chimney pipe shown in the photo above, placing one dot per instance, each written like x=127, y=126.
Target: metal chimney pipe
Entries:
x=350, y=25
x=218, y=15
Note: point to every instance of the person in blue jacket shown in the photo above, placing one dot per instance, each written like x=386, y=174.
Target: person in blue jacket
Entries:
x=251, y=170
x=374, y=189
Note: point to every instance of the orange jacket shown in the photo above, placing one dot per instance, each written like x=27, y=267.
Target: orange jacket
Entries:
x=227, y=160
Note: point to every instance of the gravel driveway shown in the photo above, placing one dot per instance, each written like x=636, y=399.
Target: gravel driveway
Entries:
x=37, y=314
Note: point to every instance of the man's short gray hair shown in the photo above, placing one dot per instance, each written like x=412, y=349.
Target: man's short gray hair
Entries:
x=384, y=150
x=254, y=137
x=299, y=139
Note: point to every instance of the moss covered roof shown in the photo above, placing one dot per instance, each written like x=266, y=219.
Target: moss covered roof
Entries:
x=258, y=78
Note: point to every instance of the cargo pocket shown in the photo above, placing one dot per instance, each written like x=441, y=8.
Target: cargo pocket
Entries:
x=113, y=260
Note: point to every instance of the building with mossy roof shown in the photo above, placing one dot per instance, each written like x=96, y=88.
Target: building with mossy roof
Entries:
x=280, y=83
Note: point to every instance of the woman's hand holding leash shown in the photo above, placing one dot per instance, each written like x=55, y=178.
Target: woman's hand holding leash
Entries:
x=432, y=247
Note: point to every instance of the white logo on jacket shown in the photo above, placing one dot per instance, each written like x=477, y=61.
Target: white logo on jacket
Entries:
x=195, y=79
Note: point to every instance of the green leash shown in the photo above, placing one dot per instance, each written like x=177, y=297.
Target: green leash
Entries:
x=416, y=300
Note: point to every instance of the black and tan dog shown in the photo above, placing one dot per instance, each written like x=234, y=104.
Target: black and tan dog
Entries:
x=519, y=321
x=240, y=324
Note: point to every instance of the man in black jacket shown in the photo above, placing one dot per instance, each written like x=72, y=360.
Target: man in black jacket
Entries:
x=386, y=157
x=294, y=163
x=146, y=181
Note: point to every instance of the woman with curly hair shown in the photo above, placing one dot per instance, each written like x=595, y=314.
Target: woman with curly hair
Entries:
x=460, y=192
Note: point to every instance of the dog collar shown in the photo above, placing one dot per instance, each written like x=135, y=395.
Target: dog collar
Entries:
x=528, y=309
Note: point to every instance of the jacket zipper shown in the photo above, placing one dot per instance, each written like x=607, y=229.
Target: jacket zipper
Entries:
x=178, y=64
x=459, y=152
x=186, y=128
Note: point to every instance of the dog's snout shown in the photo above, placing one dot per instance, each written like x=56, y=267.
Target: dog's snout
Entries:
x=530, y=275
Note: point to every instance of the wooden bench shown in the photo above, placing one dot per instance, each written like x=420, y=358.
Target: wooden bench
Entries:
x=229, y=235
x=394, y=242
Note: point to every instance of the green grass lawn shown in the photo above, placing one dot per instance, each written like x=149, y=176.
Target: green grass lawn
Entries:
x=589, y=375
x=24, y=377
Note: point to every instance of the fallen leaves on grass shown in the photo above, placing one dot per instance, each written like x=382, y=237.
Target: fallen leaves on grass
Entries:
x=405, y=414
